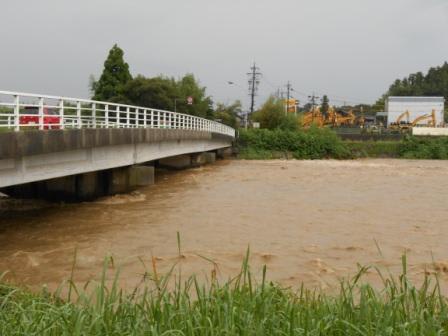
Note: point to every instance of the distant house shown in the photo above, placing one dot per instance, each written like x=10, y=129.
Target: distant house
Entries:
x=417, y=107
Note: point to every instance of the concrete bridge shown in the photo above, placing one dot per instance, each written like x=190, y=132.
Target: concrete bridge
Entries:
x=55, y=147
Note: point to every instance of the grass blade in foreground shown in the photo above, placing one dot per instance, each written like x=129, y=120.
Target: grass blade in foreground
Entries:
x=239, y=307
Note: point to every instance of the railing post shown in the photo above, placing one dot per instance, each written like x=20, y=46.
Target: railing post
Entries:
x=61, y=114
x=127, y=117
x=94, y=115
x=118, y=116
x=16, y=113
x=106, y=115
x=41, y=113
x=78, y=114
x=145, y=118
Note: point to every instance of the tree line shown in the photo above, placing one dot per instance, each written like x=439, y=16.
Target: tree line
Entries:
x=184, y=95
x=433, y=83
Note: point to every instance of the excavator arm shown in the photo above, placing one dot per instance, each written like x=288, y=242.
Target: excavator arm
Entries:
x=400, y=118
x=431, y=116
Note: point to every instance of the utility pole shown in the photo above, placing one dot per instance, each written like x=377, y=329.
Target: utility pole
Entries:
x=254, y=81
x=313, y=99
x=288, y=96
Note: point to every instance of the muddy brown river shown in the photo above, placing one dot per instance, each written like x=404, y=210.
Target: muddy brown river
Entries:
x=308, y=221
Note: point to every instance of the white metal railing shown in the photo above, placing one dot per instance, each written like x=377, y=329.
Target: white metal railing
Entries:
x=19, y=111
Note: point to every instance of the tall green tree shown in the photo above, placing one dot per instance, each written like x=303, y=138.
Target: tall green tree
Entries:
x=188, y=86
x=229, y=114
x=168, y=94
x=115, y=75
x=157, y=92
x=272, y=115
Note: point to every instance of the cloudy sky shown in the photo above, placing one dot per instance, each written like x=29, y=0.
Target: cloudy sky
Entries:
x=350, y=49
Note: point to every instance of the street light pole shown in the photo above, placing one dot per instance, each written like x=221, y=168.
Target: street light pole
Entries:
x=175, y=104
x=245, y=114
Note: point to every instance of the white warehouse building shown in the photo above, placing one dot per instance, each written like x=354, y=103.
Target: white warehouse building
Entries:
x=417, y=107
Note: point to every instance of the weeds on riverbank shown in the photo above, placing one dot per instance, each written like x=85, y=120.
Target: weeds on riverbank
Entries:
x=262, y=144
x=313, y=143
x=425, y=148
x=374, y=149
x=239, y=307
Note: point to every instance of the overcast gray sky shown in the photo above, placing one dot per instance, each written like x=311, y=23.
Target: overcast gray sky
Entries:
x=350, y=49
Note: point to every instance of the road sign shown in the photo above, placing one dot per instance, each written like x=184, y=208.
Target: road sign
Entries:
x=190, y=100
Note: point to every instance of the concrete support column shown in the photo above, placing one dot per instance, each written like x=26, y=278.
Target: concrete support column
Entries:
x=210, y=157
x=176, y=162
x=198, y=159
x=88, y=186
x=61, y=188
x=117, y=181
x=141, y=176
x=224, y=153
x=122, y=180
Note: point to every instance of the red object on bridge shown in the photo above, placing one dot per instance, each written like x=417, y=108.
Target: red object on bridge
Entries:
x=51, y=117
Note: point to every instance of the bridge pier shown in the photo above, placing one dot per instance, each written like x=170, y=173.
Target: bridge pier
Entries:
x=86, y=186
x=224, y=153
x=188, y=160
x=176, y=162
x=122, y=180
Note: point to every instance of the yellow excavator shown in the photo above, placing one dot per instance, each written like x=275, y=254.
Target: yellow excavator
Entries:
x=399, y=124
x=313, y=117
x=332, y=118
x=431, y=117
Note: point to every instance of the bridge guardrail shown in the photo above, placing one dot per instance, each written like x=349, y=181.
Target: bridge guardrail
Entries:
x=19, y=111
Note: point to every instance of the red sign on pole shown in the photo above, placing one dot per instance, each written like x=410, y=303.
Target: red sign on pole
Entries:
x=190, y=100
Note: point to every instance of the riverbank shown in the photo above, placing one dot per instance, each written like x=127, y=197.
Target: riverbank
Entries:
x=324, y=144
x=238, y=307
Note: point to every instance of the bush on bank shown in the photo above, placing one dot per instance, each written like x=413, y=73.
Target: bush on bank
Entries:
x=238, y=307
x=374, y=149
x=424, y=148
x=315, y=143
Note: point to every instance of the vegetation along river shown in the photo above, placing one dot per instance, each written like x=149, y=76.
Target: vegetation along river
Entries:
x=308, y=221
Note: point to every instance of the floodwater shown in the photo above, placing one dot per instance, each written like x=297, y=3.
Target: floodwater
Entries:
x=308, y=221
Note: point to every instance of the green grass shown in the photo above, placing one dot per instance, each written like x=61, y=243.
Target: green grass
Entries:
x=374, y=149
x=325, y=144
x=313, y=143
x=238, y=307
x=425, y=148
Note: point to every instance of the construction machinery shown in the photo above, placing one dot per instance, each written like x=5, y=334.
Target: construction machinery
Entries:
x=399, y=123
x=343, y=118
x=313, y=117
x=430, y=117
x=331, y=118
